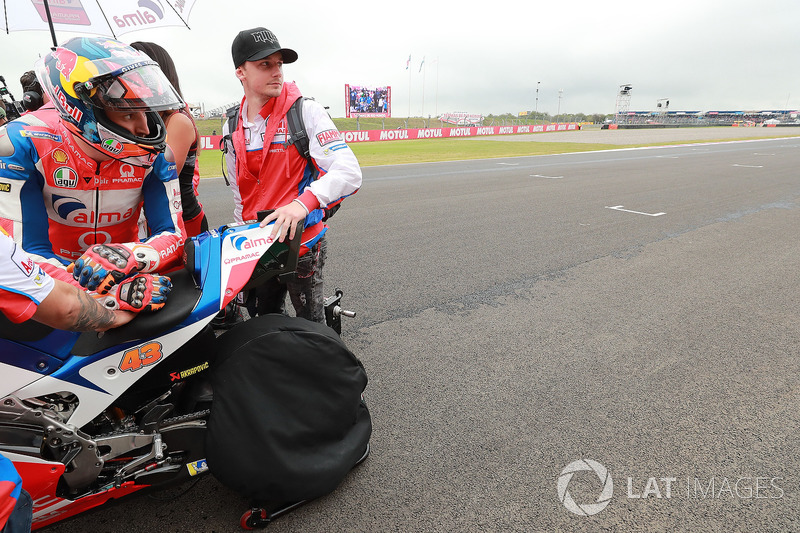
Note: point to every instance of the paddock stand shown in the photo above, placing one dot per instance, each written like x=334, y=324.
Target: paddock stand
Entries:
x=260, y=516
x=334, y=311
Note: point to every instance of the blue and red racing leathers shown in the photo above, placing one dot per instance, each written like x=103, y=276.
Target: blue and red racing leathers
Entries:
x=56, y=202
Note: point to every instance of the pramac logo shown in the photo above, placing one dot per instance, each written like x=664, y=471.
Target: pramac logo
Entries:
x=150, y=12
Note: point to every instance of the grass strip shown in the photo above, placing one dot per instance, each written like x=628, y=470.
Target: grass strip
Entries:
x=433, y=150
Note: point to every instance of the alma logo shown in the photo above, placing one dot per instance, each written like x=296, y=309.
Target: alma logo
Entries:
x=150, y=13
x=65, y=206
x=73, y=210
x=243, y=243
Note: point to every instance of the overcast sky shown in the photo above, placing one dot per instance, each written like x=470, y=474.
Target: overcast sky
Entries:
x=488, y=57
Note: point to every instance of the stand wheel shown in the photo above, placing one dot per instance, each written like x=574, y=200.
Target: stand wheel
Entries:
x=254, y=518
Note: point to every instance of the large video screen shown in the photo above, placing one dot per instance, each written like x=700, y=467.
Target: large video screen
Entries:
x=368, y=101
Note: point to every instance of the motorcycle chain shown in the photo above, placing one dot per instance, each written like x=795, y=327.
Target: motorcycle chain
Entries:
x=164, y=423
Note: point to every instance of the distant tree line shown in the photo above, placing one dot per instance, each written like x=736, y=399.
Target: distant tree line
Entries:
x=540, y=117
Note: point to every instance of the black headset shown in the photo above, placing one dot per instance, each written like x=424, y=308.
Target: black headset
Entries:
x=31, y=100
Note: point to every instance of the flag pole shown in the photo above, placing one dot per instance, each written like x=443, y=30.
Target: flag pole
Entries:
x=408, y=68
x=436, y=98
x=421, y=67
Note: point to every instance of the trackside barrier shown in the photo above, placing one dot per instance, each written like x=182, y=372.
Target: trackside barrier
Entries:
x=449, y=133
x=211, y=142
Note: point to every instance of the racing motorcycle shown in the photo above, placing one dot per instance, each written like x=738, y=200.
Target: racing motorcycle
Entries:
x=87, y=417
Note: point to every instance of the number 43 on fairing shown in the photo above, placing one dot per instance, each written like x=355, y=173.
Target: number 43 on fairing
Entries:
x=141, y=356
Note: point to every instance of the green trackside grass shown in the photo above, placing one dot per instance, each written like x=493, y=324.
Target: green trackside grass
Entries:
x=210, y=163
x=430, y=150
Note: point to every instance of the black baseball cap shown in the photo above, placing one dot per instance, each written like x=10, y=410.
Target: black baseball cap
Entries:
x=258, y=43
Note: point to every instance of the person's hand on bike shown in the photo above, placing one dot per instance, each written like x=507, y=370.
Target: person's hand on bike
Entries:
x=104, y=265
x=286, y=219
x=142, y=292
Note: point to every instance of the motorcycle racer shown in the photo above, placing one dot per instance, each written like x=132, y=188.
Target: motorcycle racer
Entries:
x=76, y=173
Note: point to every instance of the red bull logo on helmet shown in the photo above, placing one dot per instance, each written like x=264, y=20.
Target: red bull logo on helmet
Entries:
x=66, y=60
x=71, y=110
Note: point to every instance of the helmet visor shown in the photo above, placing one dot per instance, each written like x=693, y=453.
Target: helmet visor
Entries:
x=141, y=88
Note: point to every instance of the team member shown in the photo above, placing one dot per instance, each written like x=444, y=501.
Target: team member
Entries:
x=267, y=173
x=75, y=175
x=183, y=140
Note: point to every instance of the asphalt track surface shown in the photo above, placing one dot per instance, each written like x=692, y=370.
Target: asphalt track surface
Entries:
x=637, y=308
x=647, y=136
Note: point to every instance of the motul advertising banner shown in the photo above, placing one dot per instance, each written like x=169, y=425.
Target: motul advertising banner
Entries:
x=449, y=133
x=209, y=142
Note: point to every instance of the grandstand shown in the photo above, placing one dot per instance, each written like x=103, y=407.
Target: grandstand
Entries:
x=708, y=118
x=219, y=111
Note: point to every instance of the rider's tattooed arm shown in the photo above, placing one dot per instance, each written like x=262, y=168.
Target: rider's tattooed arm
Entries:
x=68, y=307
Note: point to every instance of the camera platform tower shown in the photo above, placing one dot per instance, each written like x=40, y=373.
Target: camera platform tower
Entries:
x=623, y=103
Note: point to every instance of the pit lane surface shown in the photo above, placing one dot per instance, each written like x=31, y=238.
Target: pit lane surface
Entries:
x=637, y=308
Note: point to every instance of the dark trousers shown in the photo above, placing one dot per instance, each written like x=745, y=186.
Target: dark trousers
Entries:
x=305, y=289
x=21, y=517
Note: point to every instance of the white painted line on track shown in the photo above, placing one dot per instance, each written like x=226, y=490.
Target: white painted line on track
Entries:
x=619, y=208
x=747, y=166
x=546, y=177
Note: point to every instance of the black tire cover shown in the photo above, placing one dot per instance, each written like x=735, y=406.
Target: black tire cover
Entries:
x=288, y=420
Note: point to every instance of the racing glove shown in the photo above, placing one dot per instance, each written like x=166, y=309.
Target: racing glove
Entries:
x=104, y=265
x=142, y=292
